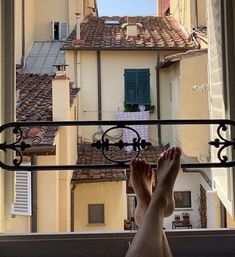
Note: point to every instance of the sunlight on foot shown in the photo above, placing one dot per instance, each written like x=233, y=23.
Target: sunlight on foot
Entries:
x=141, y=179
x=168, y=168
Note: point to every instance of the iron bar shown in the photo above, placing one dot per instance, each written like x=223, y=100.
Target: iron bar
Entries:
x=19, y=146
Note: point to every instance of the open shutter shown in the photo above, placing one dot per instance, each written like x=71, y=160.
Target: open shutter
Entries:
x=23, y=201
x=52, y=30
x=130, y=86
x=63, y=30
x=143, y=85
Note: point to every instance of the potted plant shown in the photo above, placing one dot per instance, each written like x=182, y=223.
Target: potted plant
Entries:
x=177, y=219
x=186, y=217
x=127, y=224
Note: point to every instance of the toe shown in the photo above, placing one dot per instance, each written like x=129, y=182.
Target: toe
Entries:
x=171, y=153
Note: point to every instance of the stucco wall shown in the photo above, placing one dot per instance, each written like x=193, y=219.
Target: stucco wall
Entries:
x=194, y=105
x=111, y=194
x=188, y=182
x=185, y=13
x=222, y=178
x=113, y=64
x=180, y=100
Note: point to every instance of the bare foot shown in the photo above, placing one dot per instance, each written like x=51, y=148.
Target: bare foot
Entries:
x=168, y=168
x=141, y=179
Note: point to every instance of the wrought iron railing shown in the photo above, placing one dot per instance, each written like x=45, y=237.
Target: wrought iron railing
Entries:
x=19, y=146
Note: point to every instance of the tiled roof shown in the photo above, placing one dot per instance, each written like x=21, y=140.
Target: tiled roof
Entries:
x=90, y=155
x=168, y=60
x=35, y=104
x=154, y=32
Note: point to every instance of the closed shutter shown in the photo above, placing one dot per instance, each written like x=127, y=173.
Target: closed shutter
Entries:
x=130, y=86
x=137, y=86
x=23, y=202
x=63, y=30
x=143, y=87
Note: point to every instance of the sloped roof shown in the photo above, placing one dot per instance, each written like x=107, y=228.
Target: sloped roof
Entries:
x=35, y=104
x=90, y=155
x=42, y=57
x=154, y=32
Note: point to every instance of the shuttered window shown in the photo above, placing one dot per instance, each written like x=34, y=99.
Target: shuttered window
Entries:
x=95, y=213
x=59, y=30
x=23, y=203
x=137, y=86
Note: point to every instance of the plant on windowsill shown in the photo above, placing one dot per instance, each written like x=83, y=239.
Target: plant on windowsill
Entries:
x=186, y=217
x=127, y=224
x=177, y=219
x=135, y=108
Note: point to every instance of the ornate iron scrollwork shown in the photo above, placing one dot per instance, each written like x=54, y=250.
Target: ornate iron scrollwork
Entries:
x=137, y=144
x=221, y=143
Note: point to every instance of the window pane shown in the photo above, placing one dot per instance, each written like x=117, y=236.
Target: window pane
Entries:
x=95, y=213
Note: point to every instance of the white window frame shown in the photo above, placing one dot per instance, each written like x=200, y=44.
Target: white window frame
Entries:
x=63, y=26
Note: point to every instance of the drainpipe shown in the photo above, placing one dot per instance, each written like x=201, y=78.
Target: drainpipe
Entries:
x=34, y=218
x=99, y=86
x=196, y=12
x=158, y=99
x=72, y=206
x=23, y=34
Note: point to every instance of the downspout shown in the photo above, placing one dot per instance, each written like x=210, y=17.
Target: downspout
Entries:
x=23, y=34
x=72, y=206
x=99, y=91
x=34, y=218
x=158, y=99
x=196, y=12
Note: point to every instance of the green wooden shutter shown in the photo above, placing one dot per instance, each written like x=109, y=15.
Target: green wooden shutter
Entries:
x=143, y=86
x=130, y=86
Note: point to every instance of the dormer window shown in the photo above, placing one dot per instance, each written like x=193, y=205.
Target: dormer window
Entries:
x=59, y=30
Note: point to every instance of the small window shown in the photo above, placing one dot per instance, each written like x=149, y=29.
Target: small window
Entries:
x=137, y=86
x=59, y=30
x=95, y=213
x=182, y=199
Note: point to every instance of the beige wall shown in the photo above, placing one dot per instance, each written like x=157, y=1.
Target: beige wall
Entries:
x=194, y=105
x=113, y=64
x=111, y=194
x=38, y=17
x=182, y=102
x=185, y=13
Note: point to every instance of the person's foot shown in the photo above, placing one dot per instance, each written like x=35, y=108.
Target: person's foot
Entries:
x=141, y=180
x=167, y=171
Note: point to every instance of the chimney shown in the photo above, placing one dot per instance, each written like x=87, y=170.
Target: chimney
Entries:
x=132, y=29
x=60, y=95
x=78, y=24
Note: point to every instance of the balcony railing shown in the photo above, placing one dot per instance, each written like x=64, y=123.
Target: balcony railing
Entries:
x=220, y=142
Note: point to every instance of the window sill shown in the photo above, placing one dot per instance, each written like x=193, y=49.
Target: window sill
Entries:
x=95, y=224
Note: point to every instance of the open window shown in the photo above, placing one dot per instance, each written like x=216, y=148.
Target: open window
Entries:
x=59, y=30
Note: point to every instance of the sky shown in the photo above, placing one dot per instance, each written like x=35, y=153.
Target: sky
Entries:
x=127, y=7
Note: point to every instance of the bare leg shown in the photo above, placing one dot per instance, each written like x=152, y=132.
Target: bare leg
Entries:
x=141, y=180
x=149, y=240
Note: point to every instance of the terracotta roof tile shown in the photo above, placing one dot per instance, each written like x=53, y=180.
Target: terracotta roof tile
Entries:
x=35, y=104
x=90, y=155
x=154, y=32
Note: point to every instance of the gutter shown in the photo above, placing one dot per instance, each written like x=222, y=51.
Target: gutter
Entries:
x=23, y=34
x=34, y=218
x=202, y=173
x=158, y=99
x=72, y=207
x=99, y=89
x=126, y=49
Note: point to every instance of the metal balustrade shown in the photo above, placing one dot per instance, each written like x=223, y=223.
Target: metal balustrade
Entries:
x=221, y=143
